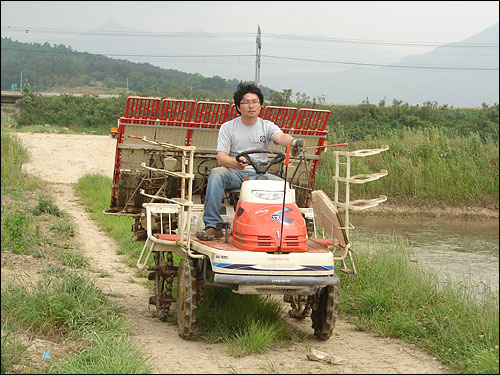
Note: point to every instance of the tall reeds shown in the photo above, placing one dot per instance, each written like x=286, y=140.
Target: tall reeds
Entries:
x=424, y=165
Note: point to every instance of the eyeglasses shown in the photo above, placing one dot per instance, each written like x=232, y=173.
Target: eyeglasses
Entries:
x=248, y=102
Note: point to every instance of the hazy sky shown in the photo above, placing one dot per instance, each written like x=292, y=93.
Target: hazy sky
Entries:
x=300, y=39
x=432, y=21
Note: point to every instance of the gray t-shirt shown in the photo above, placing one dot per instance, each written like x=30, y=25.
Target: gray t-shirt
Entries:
x=236, y=137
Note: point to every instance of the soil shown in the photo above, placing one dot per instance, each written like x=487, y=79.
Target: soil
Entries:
x=61, y=159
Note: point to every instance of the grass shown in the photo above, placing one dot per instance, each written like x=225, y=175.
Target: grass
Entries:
x=46, y=205
x=19, y=231
x=13, y=155
x=246, y=324
x=8, y=116
x=18, y=235
x=26, y=230
x=72, y=258
x=397, y=298
x=67, y=305
x=12, y=349
x=109, y=354
x=95, y=193
x=255, y=336
x=60, y=302
x=390, y=295
x=424, y=166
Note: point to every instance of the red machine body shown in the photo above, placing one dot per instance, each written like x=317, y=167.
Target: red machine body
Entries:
x=257, y=227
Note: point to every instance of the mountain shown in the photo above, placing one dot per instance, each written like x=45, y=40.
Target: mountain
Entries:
x=58, y=67
x=458, y=88
x=228, y=56
x=232, y=57
x=171, y=50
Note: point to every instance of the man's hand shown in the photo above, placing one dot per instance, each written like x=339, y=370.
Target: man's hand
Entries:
x=297, y=145
x=241, y=165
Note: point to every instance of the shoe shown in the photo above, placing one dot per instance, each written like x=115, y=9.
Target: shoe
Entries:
x=209, y=234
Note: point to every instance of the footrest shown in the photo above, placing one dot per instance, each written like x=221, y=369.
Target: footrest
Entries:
x=363, y=204
x=168, y=237
x=323, y=241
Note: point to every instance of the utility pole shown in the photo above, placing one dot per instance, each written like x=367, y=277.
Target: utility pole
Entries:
x=257, y=57
x=21, y=81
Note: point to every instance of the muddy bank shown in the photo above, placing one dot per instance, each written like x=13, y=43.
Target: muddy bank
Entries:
x=397, y=207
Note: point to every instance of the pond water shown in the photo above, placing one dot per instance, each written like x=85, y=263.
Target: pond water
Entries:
x=455, y=249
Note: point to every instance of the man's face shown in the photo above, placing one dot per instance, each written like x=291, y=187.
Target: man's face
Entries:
x=250, y=106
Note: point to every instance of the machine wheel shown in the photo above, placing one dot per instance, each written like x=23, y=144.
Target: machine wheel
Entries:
x=324, y=312
x=300, y=306
x=199, y=283
x=163, y=275
x=186, y=298
x=200, y=290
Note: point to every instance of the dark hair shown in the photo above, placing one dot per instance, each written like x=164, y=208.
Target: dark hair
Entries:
x=245, y=88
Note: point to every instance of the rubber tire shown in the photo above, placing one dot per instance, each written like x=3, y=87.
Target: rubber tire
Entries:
x=323, y=319
x=186, y=298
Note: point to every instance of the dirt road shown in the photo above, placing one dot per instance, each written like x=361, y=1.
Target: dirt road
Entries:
x=62, y=159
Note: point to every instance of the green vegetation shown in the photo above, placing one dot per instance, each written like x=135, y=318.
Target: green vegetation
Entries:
x=423, y=165
x=367, y=121
x=439, y=148
x=431, y=149
x=109, y=354
x=53, y=300
x=20, y=233
x=79, y=114
x=13, y=155
x=8, y=115
x=64, y=303
x=363, y=122
x=398, y=298
x=58, y=67
x=246, y=324
x=390, y=295
x=95, y=193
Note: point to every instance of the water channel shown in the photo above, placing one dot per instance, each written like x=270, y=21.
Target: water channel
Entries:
x=459, y=250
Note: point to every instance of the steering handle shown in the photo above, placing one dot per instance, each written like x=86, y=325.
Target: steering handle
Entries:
x=260, y=167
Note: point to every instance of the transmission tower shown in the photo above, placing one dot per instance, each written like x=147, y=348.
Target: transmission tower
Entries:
x=257, y=57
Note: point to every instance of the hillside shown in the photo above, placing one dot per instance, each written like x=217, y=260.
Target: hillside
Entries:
x=455, y=86
x=447, y=75
x=58, y=67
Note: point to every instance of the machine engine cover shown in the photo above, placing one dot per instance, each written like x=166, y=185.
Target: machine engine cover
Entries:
x=257, y=227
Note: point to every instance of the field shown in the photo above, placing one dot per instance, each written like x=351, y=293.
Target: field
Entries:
x=159, y=339
x=52, y=160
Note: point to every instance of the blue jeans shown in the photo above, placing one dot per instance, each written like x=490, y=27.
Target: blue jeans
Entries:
x=221, y=179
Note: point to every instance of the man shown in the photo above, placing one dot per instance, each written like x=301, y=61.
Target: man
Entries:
x=244, y=133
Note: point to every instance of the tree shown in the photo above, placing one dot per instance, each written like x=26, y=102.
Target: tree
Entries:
x=109, y=83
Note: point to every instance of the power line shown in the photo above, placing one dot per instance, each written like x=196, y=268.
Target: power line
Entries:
x=27, y=30
x=309, y=47
x=365, y=41
x=351, y=63
x=384, y=65
x=126, y=54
